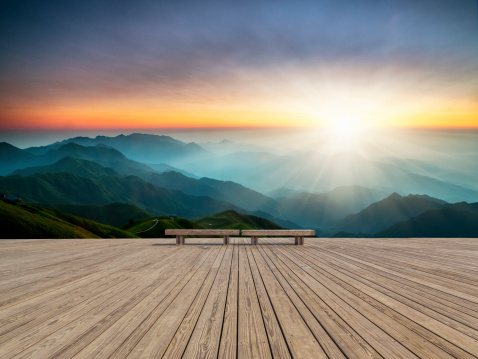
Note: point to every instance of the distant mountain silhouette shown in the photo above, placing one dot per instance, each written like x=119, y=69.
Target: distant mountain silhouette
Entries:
x=103, y=155
x=11, y=156
x=76, y=166
x=145, y=148
x=315, y=210
x=314, y=172
x=221, y=190
x=441, y=223
x=284, y=192
x=384, y=213
x=164, y=167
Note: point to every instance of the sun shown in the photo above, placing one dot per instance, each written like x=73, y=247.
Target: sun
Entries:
x=344, y=134
x=346, y=127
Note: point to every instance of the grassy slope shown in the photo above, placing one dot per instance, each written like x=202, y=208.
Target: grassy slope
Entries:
x=28, y=221
x=54, y=188
x=158, y=230
x=114, y=214
x=233, y=220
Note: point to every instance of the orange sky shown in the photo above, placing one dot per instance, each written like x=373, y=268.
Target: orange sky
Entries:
x=401, y=64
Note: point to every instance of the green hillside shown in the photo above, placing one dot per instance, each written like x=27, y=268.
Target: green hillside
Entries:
x=233, y=220
x=154, y=227
x=54, y=188
x=76, y=166
x=20, y=220
x=114, y=214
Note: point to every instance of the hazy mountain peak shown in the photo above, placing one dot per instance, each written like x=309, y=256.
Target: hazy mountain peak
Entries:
x=394, y=196
x=7, y=145
x=7, y=149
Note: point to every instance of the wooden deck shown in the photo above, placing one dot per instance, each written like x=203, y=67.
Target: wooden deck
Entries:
x=331, y=298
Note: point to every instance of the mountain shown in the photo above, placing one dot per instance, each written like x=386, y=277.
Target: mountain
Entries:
x=314, y=210
x=145, y=148
x=10, y=156
x=285, y=192
x=164, y=167
x=227, y=191
x=233, y=220
x=20, y=220
x=154, y=227
x=384, y=213
x=76, y=166
x=180, y=182
x=100, y=154
x=441, y=223
x=105, y=156
x=53, y=188
x=461, y=170
x=243, y=197
x=314, y=172
x=225, y=147
x=113, y=214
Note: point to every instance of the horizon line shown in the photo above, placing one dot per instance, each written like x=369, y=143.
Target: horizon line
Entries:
x=223, y=128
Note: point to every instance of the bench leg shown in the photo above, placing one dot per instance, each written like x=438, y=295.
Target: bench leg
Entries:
x=254, y=240
x=301, y=241
x=297, y=239
x=178, y=240
x=183, y=239
x=226, y=240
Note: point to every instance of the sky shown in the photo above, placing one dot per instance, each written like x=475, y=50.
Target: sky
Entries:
x=91, y=65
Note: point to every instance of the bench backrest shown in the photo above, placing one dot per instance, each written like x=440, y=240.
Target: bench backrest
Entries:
x=278, y=232
x=202, y=232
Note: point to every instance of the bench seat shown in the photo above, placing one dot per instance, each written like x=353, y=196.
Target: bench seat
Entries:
x=299, y=234
x=182, y=233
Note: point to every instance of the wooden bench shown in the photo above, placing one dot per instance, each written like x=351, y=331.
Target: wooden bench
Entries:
x=299, y=234
x=182, y=233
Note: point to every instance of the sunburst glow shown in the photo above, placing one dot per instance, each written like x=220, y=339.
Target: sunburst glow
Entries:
x=347, y=127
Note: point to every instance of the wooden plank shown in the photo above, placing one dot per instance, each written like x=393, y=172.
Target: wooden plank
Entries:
x=278, y=232
x=22, y=320
x=277, y=342
x=204, y=341
x=357, y=298
x=399, y=314
x=409, y=282
x=203, y=232
x=40, y=282
x=383, y=343
x=134, y=324
x=78, y=327
x=449, y=287
x=396, y=322
x=342, y=334
x=408, y=292
x=252, y=337
x=195, y=274
x=228, y=344
x=181, y=314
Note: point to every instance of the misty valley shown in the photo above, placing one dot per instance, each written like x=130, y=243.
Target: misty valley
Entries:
x=116, y=186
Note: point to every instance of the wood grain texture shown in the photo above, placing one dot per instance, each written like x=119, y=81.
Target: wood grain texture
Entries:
x=147, y=298
x=278, y=232
x=202, y=232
